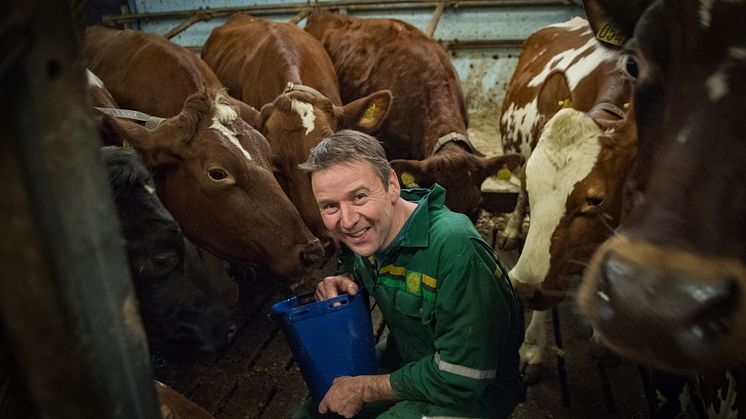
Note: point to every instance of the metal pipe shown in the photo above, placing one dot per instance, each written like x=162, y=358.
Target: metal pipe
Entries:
x=346, y=4
x=435, y=19
x=197, y=17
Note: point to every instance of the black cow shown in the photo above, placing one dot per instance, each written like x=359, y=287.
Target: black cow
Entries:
x=180, y=301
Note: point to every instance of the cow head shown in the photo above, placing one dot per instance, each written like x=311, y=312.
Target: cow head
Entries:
x=574, y=180
x=460, y=172
x=295, y=122
x=668, y=290
x=213, y=173
x=179, y=296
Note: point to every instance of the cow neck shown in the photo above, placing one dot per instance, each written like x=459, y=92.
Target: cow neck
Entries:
x=456, y=137
x=297, y=87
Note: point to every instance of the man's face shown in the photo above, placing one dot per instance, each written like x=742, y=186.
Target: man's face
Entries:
x=355, y=206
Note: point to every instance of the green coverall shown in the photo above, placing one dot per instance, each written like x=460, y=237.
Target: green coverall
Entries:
x=455, y=323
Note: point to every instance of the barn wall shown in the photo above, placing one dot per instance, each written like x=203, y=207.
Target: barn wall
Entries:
x=484, y=70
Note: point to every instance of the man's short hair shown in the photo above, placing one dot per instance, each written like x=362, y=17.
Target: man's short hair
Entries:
x=347, y=146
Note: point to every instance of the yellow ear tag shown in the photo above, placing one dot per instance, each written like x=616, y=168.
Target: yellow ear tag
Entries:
x=504, y=173
x=370, y=111
x=407, y=179
x=626, y=106
x=562, y=104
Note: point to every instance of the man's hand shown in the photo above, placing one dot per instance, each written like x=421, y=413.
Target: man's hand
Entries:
x=348, y=394
x=332, y=286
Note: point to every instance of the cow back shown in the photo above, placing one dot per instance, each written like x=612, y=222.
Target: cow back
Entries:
x=375, y=54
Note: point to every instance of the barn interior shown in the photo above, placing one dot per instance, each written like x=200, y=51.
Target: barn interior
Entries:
x=71, y=345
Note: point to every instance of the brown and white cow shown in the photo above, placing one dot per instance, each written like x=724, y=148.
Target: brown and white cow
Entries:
x=564, y=109
x=425, y=132
x=668, y=289
x=285, y=71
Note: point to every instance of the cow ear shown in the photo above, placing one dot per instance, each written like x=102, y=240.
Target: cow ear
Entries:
x=154, y=152
x=367, y=113
x=613, y=21
x=500, y=164
x=410, y=173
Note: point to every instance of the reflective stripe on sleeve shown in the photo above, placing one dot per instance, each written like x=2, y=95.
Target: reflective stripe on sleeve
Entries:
x=462, y=370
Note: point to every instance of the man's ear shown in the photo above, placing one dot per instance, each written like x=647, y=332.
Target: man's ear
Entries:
x=155, y=150
x=368, y=113
x=411, y=173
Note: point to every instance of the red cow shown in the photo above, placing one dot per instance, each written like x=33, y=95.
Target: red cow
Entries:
x=211, y=169
x=578, y=158
x=257, y=59
x=668, y=289
x=428, y=120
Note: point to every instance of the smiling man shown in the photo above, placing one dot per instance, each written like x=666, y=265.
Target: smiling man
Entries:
x=455, y=323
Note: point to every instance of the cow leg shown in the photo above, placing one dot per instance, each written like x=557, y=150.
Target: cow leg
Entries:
x=508, y=238
x=533, y=348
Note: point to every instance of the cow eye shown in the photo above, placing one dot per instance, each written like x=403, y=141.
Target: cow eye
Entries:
x=595, y=201
x=217, y=174
x=631, y=66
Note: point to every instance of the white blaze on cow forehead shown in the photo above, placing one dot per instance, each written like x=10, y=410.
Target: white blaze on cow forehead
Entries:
x=705, y=10
x=305, y=111
x=565, y=154
x=226, y=115
x=93, y=80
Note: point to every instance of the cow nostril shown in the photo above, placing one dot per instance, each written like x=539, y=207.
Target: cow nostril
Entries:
x=312, y=252
x=714, y=307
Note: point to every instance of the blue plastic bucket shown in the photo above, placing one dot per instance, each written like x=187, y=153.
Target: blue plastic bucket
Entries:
x=329, y=339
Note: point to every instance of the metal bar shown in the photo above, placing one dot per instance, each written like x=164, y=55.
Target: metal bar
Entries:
x=448, y=44
x=300, y=16
x=561, y=368
x=197, y=17
x=67, y=307
x=435, y=19
x=345, y=4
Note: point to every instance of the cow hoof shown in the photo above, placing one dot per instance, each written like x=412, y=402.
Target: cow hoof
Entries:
x=534, y=373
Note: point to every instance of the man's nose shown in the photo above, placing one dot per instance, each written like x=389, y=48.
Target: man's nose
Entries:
x=348, y=215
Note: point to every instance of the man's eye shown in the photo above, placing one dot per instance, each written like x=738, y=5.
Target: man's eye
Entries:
x=359, y=197
x=329, y=208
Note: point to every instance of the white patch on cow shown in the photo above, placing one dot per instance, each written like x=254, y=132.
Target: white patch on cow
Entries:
x=565, y=154
x=224, y=116
x=523, y=120
x=705, y=10
x=717, y=85
x=727, y=401
x=532, y=349
x=305, y=111
x=93, y=80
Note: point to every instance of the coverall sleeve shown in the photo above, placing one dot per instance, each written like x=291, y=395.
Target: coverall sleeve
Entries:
x=471, y=321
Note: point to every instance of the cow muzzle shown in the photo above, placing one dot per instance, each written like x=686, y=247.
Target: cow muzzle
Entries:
x=674, y=309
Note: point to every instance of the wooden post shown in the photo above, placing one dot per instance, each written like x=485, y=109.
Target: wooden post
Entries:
x=68, y=313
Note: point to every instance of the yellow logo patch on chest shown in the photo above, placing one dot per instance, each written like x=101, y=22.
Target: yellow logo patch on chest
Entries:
x=413, y=282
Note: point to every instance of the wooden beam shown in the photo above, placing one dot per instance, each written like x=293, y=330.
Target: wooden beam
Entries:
x=197, y=17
